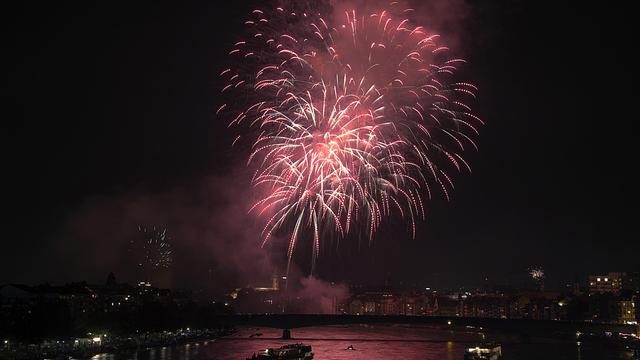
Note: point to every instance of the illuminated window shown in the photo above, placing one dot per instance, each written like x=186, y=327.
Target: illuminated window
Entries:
x=606, y=279
x=599, y=279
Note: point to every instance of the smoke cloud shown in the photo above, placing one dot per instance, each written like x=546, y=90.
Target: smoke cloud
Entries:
x=444, y=17
x=320, y=297
x=215, y=243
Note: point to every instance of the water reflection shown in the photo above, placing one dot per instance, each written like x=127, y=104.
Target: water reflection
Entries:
x=103, y=357
x=372, y=343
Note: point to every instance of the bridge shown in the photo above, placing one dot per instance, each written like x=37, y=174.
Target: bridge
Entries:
x=524, y=327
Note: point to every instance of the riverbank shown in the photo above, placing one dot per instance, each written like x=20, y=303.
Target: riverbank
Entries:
x=96, y=344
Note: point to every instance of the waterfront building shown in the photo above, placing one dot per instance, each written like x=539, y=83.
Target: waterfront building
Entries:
x=608, y=283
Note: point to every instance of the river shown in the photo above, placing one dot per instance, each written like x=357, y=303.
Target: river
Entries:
x=373, y=342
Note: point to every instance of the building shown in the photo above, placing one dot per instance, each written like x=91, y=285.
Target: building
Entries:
x=626, y=311
x=385, y=303
x=12, y=294
x=631, y=281
x=609, y=283
x=266, y=298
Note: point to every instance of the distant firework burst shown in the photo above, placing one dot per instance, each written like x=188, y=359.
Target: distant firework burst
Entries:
x=351, y=117
x=152, y=248
x=537, y=274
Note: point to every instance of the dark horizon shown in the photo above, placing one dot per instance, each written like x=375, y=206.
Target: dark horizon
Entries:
x=112, y=125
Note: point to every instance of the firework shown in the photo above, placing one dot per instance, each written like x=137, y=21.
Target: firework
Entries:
x=537, y=274
x=152, y=248
x=352, y=117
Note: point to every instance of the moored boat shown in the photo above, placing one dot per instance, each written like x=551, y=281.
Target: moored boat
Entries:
x=286, y=352
x=486, y=351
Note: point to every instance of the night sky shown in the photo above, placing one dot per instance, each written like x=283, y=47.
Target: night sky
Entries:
x=111, y=107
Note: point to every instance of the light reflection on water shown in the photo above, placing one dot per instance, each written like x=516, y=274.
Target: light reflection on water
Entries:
x=374, y=342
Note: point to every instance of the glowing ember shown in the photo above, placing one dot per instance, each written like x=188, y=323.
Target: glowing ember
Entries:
x=152, y=248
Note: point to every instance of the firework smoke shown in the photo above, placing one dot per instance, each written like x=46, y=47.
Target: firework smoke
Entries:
x=352, y=117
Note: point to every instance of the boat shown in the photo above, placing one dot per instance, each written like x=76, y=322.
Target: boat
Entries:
x=485, y=351
x=286, y=352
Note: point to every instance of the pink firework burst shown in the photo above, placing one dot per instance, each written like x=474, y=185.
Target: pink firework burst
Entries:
x=352, y=118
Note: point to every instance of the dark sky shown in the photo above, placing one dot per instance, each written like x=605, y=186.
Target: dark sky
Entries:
x=111, y=106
